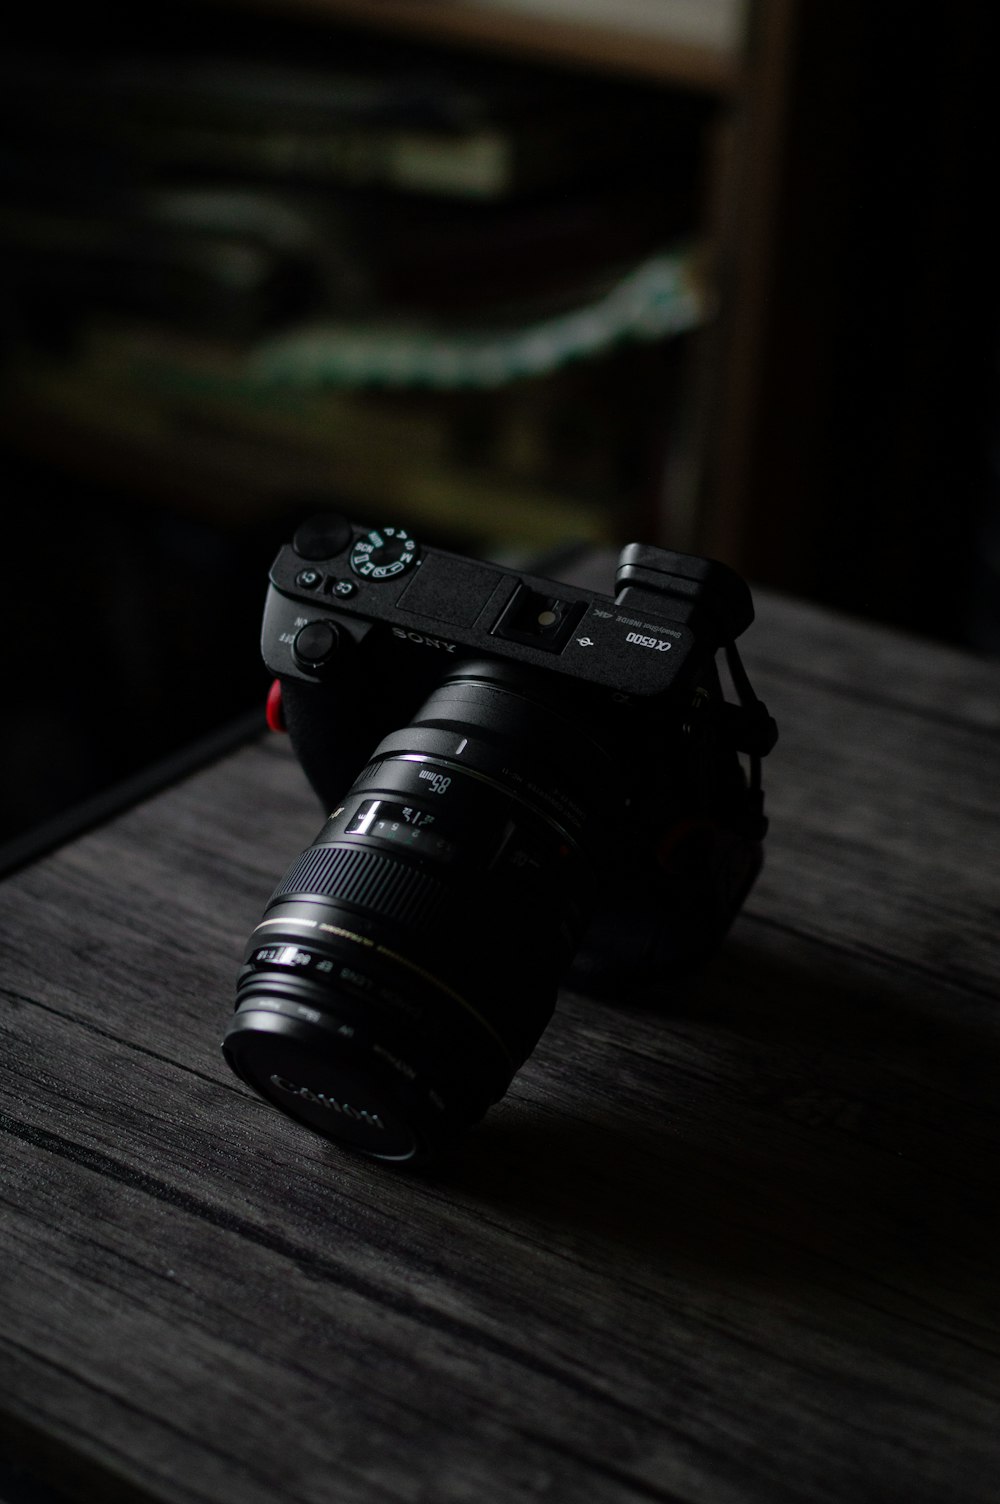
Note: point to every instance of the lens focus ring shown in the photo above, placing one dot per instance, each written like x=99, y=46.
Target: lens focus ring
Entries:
x=365, y=878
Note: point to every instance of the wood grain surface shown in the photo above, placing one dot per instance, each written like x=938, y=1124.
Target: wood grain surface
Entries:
x=740, y=1247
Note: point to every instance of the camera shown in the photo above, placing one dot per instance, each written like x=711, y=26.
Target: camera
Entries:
x=526, y=781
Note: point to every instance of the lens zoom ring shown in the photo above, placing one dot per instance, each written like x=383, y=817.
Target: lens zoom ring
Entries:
x=366, y=878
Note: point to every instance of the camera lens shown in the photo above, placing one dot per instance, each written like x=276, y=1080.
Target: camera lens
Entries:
x=408, y=961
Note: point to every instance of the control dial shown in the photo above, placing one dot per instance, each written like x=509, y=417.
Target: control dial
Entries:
x=315, y=644
x=384, y=553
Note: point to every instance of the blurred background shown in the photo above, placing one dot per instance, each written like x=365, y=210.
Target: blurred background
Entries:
x=525, y=275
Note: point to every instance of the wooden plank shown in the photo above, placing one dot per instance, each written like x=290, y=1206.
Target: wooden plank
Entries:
x=741, y=1247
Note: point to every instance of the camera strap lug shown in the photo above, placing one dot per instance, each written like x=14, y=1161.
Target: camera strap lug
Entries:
x=749, y=728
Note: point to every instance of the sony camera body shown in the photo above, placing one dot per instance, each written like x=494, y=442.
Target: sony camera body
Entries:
x=520, y=776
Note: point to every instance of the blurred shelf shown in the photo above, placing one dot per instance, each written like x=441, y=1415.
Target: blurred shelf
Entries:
x=694, y=43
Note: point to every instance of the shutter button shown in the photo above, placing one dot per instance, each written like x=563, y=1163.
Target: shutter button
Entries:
x=315, y=644
x=322, y=537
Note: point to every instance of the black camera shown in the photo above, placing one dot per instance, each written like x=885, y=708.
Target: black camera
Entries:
x=549, y=778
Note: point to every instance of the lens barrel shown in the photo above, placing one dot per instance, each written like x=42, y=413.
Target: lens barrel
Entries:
x=408, y=961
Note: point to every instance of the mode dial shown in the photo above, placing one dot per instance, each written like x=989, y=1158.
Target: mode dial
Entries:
x=384, y=553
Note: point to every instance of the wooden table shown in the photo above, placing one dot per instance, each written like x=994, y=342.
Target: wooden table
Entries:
x=740, y=1249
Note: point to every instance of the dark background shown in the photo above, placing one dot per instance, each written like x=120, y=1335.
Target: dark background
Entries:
x=870, y=478
x=865, y=478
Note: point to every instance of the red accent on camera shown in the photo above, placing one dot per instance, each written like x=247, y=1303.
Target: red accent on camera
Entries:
x=275, y=709
x=681, y=840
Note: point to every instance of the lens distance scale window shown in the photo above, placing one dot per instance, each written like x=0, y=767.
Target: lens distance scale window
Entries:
x=402, y=825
